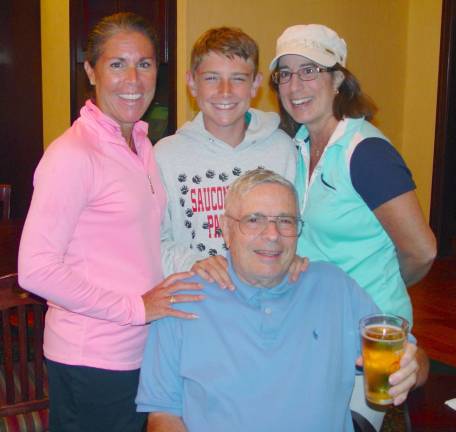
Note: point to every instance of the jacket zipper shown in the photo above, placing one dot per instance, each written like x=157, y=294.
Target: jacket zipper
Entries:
x=150, y=183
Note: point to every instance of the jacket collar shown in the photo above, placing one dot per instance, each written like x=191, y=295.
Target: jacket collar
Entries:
x=109, y=129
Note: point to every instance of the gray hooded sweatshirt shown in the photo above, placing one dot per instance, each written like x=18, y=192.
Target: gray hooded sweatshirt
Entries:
x=197, y=169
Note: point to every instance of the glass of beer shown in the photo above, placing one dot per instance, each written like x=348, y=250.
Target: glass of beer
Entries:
x=383, y=340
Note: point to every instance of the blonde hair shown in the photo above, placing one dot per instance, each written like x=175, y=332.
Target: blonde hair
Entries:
x=228, y=41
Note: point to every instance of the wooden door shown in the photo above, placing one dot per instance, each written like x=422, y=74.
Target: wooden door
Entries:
x=21, y=117
x=84, y=14
x=443, y=201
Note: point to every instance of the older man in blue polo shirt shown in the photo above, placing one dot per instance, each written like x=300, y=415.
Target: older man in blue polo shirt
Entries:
x=273, y=355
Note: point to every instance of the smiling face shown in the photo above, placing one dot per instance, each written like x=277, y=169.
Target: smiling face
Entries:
x=308, y=102
x=223, y=88
x=261, y=260
x=124, y=77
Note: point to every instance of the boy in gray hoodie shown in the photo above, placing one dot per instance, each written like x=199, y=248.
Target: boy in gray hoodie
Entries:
x=206, y=155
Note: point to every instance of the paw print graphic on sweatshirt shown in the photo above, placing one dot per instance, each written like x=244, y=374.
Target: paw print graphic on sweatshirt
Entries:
x=196, y=179
x=223, y=177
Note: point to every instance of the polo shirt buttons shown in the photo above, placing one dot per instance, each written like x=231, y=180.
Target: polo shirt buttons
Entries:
x=268, y=311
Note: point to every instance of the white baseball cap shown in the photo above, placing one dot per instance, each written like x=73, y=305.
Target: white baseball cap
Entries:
x=314, y=41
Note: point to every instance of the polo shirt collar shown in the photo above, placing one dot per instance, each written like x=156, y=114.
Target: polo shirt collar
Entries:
x=251, y=294
x=303, y=133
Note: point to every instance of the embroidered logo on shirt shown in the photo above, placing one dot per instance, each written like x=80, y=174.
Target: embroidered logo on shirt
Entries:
x=326, y=183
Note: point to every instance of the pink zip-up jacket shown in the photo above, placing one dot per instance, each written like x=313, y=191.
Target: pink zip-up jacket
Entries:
x=91, y=242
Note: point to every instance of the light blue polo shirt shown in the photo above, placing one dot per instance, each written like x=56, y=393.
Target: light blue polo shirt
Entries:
x=339, y=227
x=257, y=359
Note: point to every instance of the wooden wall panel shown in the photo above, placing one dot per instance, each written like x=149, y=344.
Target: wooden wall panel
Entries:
x=21, y=117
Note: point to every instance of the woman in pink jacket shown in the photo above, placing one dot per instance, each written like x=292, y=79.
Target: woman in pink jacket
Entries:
x=91, y=241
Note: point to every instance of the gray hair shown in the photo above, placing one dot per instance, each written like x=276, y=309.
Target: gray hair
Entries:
x=253, y=178
x=111, y=25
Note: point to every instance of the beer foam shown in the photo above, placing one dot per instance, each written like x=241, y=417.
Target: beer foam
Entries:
x=383, y=332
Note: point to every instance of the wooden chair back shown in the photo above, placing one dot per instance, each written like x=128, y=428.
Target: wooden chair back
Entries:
x=22, y=360
x=5, y=200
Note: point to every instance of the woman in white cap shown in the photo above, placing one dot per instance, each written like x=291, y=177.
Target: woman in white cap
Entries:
x=356, y=193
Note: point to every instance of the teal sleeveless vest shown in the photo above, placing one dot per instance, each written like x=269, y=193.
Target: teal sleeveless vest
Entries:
x=338, y=225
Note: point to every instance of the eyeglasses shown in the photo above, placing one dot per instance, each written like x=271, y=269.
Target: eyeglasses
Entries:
x=306, y=73
x=255, y=224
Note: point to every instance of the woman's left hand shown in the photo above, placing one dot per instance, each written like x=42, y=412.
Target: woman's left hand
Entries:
x=299, y=265
x=159, y=300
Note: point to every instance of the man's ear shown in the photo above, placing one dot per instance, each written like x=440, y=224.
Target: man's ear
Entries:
x=90, y=72
x=256, y=84
x=191, y=84
x=338, y=79
x=225, y=230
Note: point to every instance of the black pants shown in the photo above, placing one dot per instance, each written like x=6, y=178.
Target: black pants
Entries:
x=86, y=399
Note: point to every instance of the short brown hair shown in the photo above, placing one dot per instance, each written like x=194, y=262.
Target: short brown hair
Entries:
x=113, y=24
x=350, y=101
x=228, y=41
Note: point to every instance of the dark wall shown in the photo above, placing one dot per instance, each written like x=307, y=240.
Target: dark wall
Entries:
x=443, y=200
x=21, y=134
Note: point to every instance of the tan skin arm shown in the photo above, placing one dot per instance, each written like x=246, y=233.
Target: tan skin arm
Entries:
x=403, y=220
x=423, y=367
x=164, y=422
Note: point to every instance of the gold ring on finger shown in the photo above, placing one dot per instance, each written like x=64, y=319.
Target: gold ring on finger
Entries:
x=172, y=300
